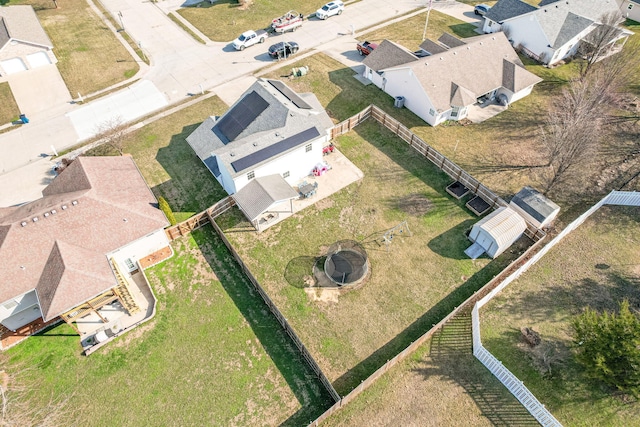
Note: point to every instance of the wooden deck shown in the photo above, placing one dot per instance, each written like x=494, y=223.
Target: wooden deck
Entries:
x=9, y=338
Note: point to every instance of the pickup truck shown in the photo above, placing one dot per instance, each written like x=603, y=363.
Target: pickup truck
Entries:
x=249, y=38
x=365, y=48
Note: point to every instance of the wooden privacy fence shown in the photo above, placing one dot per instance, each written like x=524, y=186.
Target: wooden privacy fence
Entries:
x=198, y=220
x=434, y=156
x=510, y=381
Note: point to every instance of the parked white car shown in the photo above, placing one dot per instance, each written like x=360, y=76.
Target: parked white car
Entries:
x=330, y=9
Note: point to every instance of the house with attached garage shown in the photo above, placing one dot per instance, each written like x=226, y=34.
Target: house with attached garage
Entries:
x=270, y=130
x=76, y=253
x=24, y=44
x=448, y=77
x=555, y=29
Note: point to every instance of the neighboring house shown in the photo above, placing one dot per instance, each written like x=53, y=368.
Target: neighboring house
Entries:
x=456, y=75
x=534, y=207
x=552, y=31
x=630, y=9
x=24, y=45
x=495, y=233
x=269, y=130
x=69, y=253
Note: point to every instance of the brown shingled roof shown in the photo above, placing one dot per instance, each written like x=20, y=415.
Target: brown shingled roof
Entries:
x=113, y=207
x=388, y=54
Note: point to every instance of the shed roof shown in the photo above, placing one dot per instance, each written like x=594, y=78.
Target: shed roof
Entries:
x=261, y=193
x=503, y=225
x=535, y=204
x=53, y=244
x=21, y=23
x=266, y=114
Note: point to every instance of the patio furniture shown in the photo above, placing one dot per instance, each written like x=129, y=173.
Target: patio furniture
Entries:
x=307, y=190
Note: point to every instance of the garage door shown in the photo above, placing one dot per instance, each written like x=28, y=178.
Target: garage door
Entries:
x=38, y=59
x=13, y=65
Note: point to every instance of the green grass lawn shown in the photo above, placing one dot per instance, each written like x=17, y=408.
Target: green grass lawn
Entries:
x=9, y=110
x=595, y=266
x=408, y=32
x=212, y=355
x=90, y=58
x=224, y=20
x=413, y=285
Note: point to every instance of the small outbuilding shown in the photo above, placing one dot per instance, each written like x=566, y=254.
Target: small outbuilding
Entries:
x=534, y=207
x=495, y=233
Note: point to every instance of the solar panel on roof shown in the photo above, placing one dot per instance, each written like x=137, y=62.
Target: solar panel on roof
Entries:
x=273, y=150
x=291, y=95
x=212, y=164
x=240, y=116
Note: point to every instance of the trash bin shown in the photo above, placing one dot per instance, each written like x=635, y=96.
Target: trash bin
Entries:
x=24, y=119
x=399, y=102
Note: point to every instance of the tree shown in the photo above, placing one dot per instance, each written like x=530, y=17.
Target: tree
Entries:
x=598, y=43
x=113, y=132
x=163, y=205
x=607, y=345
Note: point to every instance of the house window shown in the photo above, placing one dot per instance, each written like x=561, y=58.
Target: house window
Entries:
x=130, y=265
x=307, y=148
x=286, y=174
x=630, y=6
x=454, y=111
x=432, y=112
x=251, y=175
x=490, y=23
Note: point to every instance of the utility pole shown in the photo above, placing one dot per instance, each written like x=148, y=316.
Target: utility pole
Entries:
x=426, y=22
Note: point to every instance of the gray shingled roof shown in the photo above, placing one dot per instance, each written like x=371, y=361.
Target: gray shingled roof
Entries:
x=463, y=73
x=387, y=55
x=534, y=203
x=433, y=47
x=261, y=193
x=450, y=41
x=75, y=237
x=280, y=120
x=560, y=26
x=21, y=24
x=507, y=9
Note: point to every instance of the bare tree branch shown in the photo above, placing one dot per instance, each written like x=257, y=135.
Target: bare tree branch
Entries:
x=113, y=133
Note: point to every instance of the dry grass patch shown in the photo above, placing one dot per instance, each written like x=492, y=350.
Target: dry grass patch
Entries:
x=595, y=266
x=90, y=58
x=9, y=110
x=412, y=285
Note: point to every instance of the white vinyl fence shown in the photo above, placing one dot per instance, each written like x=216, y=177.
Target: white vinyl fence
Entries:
x=510, y=381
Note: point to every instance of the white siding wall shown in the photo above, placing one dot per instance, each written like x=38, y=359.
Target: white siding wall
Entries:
x=490, y=26
x=403, y=82
x=526, y=31
x=20, y=310
x=633, y=13
x=299, y=163
x=374, y=77
x=140, y=248
x=225, y=179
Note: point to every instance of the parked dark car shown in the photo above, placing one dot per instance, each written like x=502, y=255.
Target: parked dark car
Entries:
x=283, y=49
x=481, y=9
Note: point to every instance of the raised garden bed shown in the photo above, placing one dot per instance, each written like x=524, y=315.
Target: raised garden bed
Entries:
x=478, y=205
x=457, y=190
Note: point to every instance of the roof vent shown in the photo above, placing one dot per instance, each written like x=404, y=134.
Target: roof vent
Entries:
x=53, y=211
x=75, y=202
x=22, y=267
x=480, y=43
x=46, y=214
x=23, y=223
x=125, y=219
x=232, y=154
x=64, y=207
x=35, y=219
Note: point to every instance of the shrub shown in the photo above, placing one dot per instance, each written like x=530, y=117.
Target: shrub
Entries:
x=607, y=345
x=164, y=207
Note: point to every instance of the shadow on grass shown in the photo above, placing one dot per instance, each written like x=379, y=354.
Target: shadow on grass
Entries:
x=453, y=242
x=192, y=188
x=302, y=381
x=361, y=371
x=451, y=360
x=298, y=270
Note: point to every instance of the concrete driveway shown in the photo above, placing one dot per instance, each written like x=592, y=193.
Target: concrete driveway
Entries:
x=39, y=89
